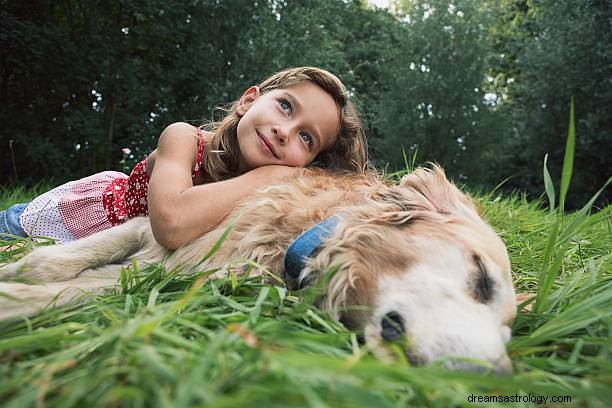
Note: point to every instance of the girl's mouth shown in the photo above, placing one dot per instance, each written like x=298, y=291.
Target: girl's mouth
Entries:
x=266, y=144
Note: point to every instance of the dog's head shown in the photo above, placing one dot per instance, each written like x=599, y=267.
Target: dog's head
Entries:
x=421, y=269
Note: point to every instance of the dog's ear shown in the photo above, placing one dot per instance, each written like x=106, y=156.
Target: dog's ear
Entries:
x=397, y=205
x=437, y=193
x=425, y=193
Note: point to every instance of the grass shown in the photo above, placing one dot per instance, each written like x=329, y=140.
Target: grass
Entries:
x=176, y=341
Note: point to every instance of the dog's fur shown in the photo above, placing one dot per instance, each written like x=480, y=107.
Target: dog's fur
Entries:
x=417, y=251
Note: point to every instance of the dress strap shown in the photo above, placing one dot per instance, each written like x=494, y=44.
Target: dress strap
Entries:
x=198, y=165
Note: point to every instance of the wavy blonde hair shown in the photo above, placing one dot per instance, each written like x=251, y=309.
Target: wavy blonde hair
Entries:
x=349, y=152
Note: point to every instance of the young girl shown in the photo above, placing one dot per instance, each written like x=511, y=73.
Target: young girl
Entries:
x=190, y=183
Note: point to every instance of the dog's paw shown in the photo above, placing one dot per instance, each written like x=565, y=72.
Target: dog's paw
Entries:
x=41, y=265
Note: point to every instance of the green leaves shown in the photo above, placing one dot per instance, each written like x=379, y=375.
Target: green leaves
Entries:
x=564, y=228
x=568, y=161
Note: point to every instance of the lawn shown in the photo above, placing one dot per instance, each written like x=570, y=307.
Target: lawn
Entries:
x=174, y=340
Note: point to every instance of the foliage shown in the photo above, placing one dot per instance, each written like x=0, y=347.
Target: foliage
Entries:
x=433, y=100
x=167, y=63
x=481, y=87
x=555, y=50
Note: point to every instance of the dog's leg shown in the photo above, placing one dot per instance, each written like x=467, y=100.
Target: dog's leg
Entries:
x=22, y=300
x=63, y=262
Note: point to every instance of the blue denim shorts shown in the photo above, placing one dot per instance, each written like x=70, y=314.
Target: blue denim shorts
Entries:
x=9, y=221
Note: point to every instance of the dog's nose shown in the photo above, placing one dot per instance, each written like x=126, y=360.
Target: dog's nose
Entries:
x=392, y=326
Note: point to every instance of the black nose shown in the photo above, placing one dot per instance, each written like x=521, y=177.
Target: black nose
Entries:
x=392, y=326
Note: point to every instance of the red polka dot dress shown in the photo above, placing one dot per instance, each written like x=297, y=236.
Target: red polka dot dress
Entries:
x=127, y=197
x=80, y=208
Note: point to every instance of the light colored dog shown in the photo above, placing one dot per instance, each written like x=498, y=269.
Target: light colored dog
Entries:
x=417, y=265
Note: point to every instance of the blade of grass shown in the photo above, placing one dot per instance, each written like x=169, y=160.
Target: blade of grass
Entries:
x=548, y=186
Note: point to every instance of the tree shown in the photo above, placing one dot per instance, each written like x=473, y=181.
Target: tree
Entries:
x=83, y=79
x=556, y=50
x=434, y=101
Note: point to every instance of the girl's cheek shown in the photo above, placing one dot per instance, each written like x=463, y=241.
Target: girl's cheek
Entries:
x=303, y=159
x=297, y=157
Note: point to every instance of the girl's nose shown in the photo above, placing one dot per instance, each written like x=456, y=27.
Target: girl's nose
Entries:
x=281, y=133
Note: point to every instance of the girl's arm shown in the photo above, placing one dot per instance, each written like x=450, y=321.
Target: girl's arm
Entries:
x=179, y=211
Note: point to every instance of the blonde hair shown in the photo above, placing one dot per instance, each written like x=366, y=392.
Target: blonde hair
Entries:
x=349, y=152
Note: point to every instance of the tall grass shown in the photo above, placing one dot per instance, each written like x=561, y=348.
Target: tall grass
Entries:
x=176, y=341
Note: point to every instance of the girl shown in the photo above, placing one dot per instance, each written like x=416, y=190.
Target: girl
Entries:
x=189, y=184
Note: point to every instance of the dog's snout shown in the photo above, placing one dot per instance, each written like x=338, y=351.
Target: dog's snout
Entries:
x=392, y=326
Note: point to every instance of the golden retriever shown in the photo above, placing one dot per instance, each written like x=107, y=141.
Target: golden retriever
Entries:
x=416, y=264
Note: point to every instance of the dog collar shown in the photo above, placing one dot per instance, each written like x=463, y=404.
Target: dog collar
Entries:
x=308, y=242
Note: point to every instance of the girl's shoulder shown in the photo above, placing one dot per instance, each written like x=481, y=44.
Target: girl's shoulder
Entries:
x=183, y=129
x=180, y=129
x=180, y=142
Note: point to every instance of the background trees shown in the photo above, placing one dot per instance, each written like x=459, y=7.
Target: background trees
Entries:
x=434, y=99
x=482, y=88
x=555, y=50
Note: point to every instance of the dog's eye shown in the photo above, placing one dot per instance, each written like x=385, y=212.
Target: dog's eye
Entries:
x=392, y=326
x=484, y=285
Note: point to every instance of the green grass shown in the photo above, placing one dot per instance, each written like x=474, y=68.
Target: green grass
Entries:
x=176, y=341
x=19, y=194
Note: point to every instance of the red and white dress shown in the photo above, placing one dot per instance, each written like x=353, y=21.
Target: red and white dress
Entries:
x=79, y=208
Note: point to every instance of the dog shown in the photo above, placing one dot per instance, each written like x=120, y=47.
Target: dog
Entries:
x=415, y=264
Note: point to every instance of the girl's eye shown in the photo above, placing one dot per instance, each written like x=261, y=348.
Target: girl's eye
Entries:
x=306, y=138
x=285, y=105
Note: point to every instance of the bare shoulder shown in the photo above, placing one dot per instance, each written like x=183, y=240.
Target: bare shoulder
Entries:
x=176, y=147
x=182, y=130
x=178, y=130
x=178, y=139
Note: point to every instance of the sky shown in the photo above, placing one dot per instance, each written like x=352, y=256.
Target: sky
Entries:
x=379, y=3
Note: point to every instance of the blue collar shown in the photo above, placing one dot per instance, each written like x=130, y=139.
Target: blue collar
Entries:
x=305, y=245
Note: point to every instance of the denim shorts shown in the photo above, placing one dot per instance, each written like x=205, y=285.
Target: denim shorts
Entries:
x=9, y=221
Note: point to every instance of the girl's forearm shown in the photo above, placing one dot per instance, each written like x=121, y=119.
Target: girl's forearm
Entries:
x=202, y=208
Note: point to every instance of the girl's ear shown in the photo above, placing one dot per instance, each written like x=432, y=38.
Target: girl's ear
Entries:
x=247, y=98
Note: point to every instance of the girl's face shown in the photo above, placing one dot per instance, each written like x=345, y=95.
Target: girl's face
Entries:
x=288, y=126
